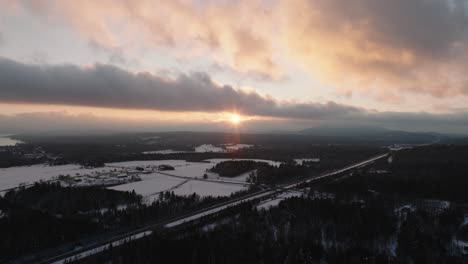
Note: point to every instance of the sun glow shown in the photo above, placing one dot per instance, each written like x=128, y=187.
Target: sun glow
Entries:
x=235, y=119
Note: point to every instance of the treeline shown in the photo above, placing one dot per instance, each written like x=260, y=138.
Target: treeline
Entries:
x=232, y=168
x=25, y=230
x=47, y=215
x=306, y=230
x=13, y=156
x=286, y=172
x=430, y=172
x=55, y=199
x=98, y=150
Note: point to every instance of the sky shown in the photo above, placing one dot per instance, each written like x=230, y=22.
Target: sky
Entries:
x=256, y=65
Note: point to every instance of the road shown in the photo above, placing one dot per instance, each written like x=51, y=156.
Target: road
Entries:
x=144, y=231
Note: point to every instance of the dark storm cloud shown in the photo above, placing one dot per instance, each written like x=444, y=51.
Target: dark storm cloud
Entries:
x=112, y=87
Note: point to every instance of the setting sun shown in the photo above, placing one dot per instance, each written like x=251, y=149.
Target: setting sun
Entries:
x=235, y=119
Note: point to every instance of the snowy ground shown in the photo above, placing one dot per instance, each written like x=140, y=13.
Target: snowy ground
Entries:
x=153, y=184
x=189, y=169
x=300, y=161
x=14, y=176
x=186, y=178
x=273, y=163
x=233, y=147
x=214, y=185
x=208, y=188
x=208, y=148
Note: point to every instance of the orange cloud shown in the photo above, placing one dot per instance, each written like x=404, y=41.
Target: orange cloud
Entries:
x=386, y=49
x=231, y=34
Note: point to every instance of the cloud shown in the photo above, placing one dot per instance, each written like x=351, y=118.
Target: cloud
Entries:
x=2, y=39
x=385, y=49
x=229, y=33
x=112, y=87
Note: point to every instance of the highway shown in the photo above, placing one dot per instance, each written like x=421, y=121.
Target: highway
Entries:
x=174, y=222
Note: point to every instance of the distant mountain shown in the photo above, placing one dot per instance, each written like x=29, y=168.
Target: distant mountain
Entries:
x=370, y=133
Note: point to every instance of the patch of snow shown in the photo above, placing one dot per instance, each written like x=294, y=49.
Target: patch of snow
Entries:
x=271, y=162
x=240, y=178
x=409, y=207
x=300, y=161
x=192, y=169
x=208, y=148
x=232, y=147
x=157, y=183
x=462, y=246
x=208, y=188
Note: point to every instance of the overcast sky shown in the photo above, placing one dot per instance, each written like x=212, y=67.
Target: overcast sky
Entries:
x=192, y=64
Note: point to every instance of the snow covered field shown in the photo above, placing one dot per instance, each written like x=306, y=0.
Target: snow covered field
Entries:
x=14, y=176
x=208, y=188
x=188, y=169
x=152, y=181
x=157, y=183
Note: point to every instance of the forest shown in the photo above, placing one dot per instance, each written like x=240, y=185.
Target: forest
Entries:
x=95, y=150
x=307, y=230
x=48, y=215
x=428, y=172
x=232, y=168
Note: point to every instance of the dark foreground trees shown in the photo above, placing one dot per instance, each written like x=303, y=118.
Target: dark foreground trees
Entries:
x=307, y=230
